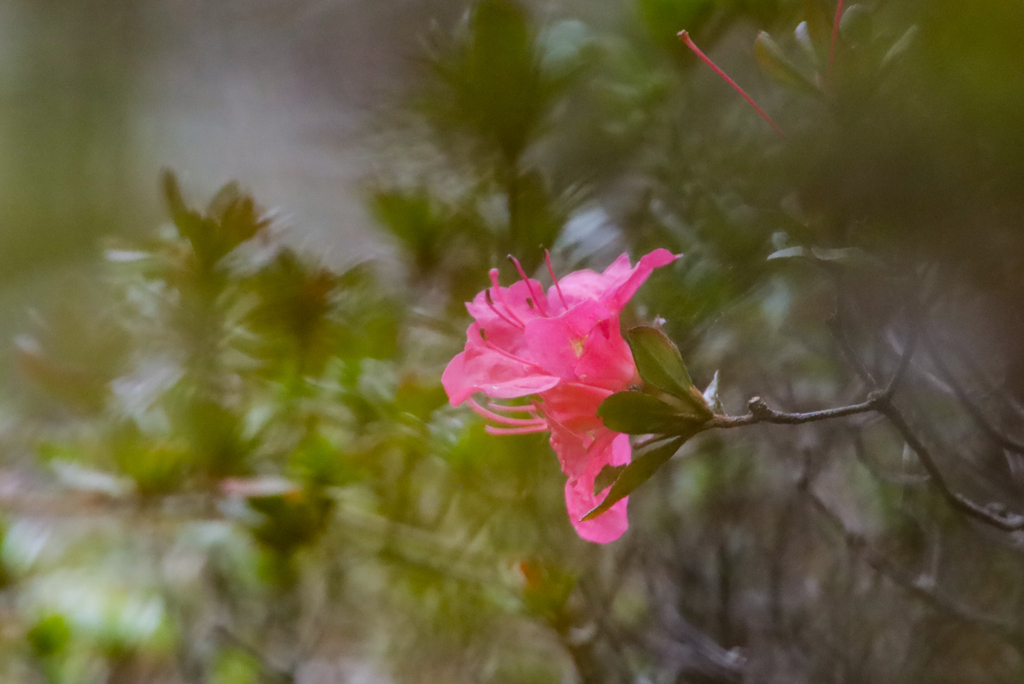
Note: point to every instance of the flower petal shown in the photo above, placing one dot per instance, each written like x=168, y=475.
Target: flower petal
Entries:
x=580, y=498
x=557, y=344
x=622, y=291
x=607, y=360
x=480, y=369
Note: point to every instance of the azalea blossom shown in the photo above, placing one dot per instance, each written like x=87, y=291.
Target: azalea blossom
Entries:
x=563, y=351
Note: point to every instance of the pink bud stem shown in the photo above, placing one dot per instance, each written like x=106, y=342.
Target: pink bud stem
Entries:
x=835, y=35
x=685, y=37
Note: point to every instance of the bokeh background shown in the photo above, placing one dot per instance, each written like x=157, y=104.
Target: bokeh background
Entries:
x=235, y=242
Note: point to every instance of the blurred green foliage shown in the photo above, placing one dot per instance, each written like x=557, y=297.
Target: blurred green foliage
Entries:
x=226, y=461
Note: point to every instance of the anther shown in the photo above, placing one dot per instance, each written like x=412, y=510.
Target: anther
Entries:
x=490, y=303
x=529, y=284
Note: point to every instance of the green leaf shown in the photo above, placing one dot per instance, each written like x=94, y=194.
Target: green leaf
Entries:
x=659, y=361
x=899, y=47
x=636, y=413
x=660, y=365
x=637, y=472
x=788, y=253
x=856, y=25
x=607, y=477
x=774, y=62
x=803, y=39
x=843, y=256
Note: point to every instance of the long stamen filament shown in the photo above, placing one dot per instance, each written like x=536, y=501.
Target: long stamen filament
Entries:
x=835, y=35
x=685, y=37
x=529, y=284
x=490, y=303
x=512, y=409
x=509, y=355
x=505, y=420
x=501, y=297
x=558, y=288
x=491, y=430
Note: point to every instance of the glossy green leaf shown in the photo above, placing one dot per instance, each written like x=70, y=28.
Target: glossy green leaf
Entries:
x=607, y=477
x=660, y=365
x=636, y=413
x=658, y=360
x=637, y=472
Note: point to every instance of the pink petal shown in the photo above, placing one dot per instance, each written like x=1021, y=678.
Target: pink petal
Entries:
x=580, y=498
x=607, y=361
x=557, y=344
x=617, y=296
x=501, y=324
x=479, y=369
x=572, y=448
x=579, y=286
x=574, y=405
x=616, y=285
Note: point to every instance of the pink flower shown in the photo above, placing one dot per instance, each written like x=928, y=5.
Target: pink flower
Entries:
x=565, y=350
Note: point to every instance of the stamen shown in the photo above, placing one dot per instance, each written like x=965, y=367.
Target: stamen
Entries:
x=528, y=410
x=558, y=288
x=501, y=296
x=490, y=303
x=529, y=303
x=506, y=420
x=509, y=355
x=483, y=334
x=512, y=409
x=835, y=35
x=529, y=284
x=685, y=37
x=491, y=430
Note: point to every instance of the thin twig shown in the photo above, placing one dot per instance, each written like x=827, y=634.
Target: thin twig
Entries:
x=760, y=412
x=877, y=471
x=914, y=584
x=972, y=408
x=904, y=363
x=1007, y=522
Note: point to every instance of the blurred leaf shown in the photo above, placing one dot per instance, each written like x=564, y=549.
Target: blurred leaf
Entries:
x=788, y=253
x=80, y=478
x=665, y=18
x=231, y=219
x=49, y=636
x=775, y=63
x=803, y=39
x=641, y=469
x=495, y=84
x=236, y=667
x=900, y=47
x=856, y=25
x=711, y=396
x=844, y=256
x=818, y=15
x=412, y=217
